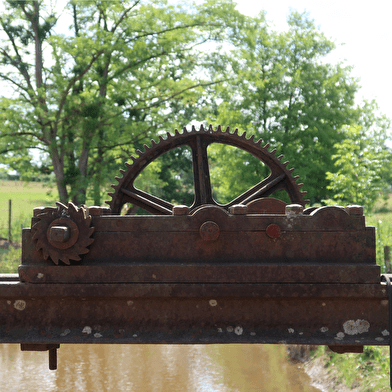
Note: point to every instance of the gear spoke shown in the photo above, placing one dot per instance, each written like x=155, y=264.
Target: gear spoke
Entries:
x=148, y=202
x=201, y=173
x=262, y=189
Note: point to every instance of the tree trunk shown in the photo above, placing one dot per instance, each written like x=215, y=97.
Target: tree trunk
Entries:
x=58, y=168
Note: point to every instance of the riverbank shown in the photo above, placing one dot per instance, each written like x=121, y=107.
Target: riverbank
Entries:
x=366, y=372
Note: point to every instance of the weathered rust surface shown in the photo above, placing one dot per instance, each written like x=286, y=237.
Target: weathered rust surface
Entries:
x=332, y=314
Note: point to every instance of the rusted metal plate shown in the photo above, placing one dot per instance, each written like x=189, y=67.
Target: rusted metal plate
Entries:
x=331, y=314
x=211, y=245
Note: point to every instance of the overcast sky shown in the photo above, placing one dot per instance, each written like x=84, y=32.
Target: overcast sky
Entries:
x=365, y=29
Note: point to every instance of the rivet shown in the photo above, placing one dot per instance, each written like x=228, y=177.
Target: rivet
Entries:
x=209, y=231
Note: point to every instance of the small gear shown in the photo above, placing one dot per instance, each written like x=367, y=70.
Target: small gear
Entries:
x=198, y=140
x=62, y=233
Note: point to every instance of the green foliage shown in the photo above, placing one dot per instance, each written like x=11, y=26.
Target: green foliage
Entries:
x=108, y=84
x=287, y=95
x=10, y=260
x=362, y=164
x=368, y=371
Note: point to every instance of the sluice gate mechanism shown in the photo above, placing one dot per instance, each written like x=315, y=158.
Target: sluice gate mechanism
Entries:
x=254, y=270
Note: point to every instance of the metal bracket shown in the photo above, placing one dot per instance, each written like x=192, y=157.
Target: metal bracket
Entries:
x=52, y=348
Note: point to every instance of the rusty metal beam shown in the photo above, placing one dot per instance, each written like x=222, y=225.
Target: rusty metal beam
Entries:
x=323, y=314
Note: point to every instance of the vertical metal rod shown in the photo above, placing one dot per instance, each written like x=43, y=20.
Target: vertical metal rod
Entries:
x=9, y=220
x=388, y=282
x=53, y=359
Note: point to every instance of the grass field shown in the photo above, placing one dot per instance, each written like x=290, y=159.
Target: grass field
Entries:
x=24, y=198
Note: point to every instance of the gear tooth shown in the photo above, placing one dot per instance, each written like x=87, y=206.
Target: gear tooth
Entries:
x=176, y=133
x=61, y=206
x=244, y=135
x=184, y=130
x=108, y=202
x=122, y=171
x=128, y=165
x=91, y=231
x=251, y=139
x=65, y=260
x=55, y=259
x=210, y=129
x=140, y=153
x=45, y=254
x=273, y=151
x=300, y=185
x=266, y=146
x=133, y=158
x=280, y=157
x=286, y=163
x=111, y=194
x=168, y=134
x=219, y=129
x=118, y=178
x=236, y=132
x=161, y=139
x=227, y=130
x=259, y=142
x=146, y=148
x=194, y=129
x=296, y=177
x=202, y=129
x=291, y=170
x=153, y=143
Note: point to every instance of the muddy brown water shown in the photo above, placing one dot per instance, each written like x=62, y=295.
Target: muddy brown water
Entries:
x=153, y=368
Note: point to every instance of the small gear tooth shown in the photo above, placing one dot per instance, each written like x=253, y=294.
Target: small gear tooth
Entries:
x=153, y=143
x=108, y=202
x=201, y=128
x=139, y=152
x=146, y=148
x=210, y=129
x=45, y=254
x=266, y=146
x=160, y=138
x=55, y=258
x=227, y=130
x=291, y=170
x=194, y=129
x=168, y=134
x=72, y=208
x=273, y=151
x=133, y=158
x=117, y=178
x=111, y=194
x=91, y=231
x=286, y=163
x=296, y=177
x=65, y=260
x=61, y=206
x=219, y=129
x=251, y=139
x=236, y=132
x=280, y=157
x=184, y=130
x=300, y=185
x=122, y=171
x=176, y=133
x=128, y=165
x=259, y=142
x=244, y=135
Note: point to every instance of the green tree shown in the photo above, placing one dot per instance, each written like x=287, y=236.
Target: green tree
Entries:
x=286, y=94
x=362, y=163
x=90, y=96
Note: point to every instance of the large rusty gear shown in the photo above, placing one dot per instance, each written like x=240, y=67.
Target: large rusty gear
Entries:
x=62, y=233
x=198, y=140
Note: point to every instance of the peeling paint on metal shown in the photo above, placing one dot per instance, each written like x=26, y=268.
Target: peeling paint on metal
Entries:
x=220, y=330
x=19, y=304
x=97, y=335
x=384, y=302
x=65, y=332
x=385, y=333
x=129, y=303
x=230, y=329
x=213, y=302
x=9, y=302
x=253, y=334
x=291, y=330
x=379, y=339
x=238, y=330
x=324, y=329
x=357, y=327
x=134, y=335
x=339, y=335
x=87, y=330
x=40, y=275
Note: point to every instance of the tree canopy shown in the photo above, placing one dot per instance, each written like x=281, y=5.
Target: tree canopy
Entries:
x=89, y=95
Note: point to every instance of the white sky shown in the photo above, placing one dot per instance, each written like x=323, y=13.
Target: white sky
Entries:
x=364, y=27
